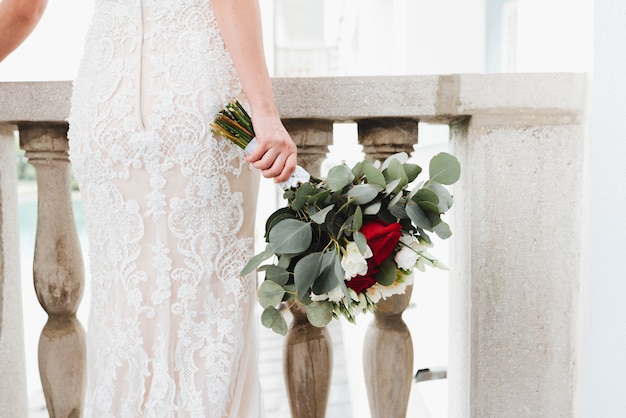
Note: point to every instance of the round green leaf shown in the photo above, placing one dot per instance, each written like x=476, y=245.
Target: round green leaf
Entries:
x=280, y=326
x=290, y=236
x=425, y=195
x=303, y=193
x=327, y=279
x=444, y=168
x=360, y=241
x=400, y=157
x=338, y=177
x=270, y=293
x=277, y=274
x=445, y=198
x=362, y=194
x=417, y=215
x=319, y=313
x=269, y=315
x=412, y=171
x=387, y=272
x=374, y=175
x=443, y=230
x=277, y=216
x=357, y=220
x=395, y=171
x=320, y=216
x=372, y=208
x=306, y=272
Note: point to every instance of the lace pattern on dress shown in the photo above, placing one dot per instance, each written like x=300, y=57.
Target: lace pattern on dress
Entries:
x=166, y=327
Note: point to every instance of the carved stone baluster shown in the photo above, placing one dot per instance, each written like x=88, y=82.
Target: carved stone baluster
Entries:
x=58, y=271
x=13, y=398
x=308, y=349
x=388, y=376
x=382, y=137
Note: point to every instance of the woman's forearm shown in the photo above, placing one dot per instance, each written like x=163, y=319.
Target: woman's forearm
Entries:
x=239, y=22
x=18, y=18
x=240, y=26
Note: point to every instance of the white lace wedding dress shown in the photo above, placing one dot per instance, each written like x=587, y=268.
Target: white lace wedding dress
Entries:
x=170, y=216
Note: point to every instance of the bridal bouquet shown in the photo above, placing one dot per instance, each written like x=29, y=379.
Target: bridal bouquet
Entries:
x=347, y=241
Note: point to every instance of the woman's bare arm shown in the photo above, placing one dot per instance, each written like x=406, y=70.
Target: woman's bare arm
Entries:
x=239, y=22
x=18, y=18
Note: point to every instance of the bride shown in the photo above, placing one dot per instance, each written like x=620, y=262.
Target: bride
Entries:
x=170, y=207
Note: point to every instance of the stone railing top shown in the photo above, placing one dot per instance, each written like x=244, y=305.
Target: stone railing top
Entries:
x=428, y=98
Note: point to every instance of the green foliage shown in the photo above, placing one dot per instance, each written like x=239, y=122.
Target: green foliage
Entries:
x=307, y=238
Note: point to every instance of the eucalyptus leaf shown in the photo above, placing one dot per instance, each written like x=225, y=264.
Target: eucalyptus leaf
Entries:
x=399, y=210
x=442, y=230
x=280, y=326
x=319, y=313
x=318, y=195
x=394, y=201
x=306, y=272
x=426, y=195
x=319, y=217
x=391, y=186
x=362, y=194
x=400, y=157
x=431, y=210
x=387, y=272
x=357, y=220
x=284, y=261
x=346, y=228
x=327, y=280
x=338, y=177
x=290, y=236
x=444, y=168
x=412, y=171
x=277, y=274
x=257, y=260
x=269, y=316
x=445, y=198
x=372, y=208
x=374, y=175
x=360, y=241
x=302, y=195
x=270, y=293
x=340, y=274
x=417, y=215
x=395, y=171
x=277, y=216
x=357, y=170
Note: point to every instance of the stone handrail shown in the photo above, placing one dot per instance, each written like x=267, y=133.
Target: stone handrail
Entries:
x=515, y=272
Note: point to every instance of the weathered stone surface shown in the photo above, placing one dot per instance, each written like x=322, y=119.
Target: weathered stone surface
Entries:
x=13, y=399
x=517, y=218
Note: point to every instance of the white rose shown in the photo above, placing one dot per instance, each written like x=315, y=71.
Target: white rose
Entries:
x=378, y=291
x=353, y=262
x=334, y=295
x=407, y=256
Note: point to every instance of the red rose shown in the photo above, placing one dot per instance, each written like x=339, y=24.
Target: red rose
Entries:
x=382, y=239
x=360, y=283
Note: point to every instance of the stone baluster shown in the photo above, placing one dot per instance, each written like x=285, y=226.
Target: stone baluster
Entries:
x=308, y=349
x=13, y=398
x=388, y=377
x=58, y=271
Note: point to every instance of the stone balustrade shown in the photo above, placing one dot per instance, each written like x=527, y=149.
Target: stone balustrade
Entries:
x=515, y=275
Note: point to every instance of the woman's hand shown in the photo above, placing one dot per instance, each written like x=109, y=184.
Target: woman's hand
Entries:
x=276, y=154
x=240, y=26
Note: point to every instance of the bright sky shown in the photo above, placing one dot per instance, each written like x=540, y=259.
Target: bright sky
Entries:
x=53, y=50
x=552, y=35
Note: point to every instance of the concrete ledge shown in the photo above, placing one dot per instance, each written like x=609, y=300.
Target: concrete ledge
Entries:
x=429, y=98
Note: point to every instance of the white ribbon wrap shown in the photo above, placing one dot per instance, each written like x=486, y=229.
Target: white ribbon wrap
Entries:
x=299, y=176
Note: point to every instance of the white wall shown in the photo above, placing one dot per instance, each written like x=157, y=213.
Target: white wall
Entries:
x=605, y=368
